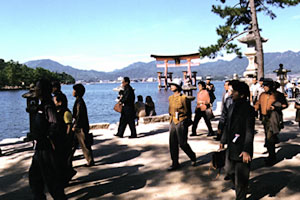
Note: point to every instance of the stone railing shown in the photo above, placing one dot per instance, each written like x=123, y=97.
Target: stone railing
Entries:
x=99, y=126
x=153, y=119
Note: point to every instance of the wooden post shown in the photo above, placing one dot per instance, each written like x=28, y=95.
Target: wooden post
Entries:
x=166, y=74
x=189, y=67
x=184, y=77
x=194, y=79
x=159, y=79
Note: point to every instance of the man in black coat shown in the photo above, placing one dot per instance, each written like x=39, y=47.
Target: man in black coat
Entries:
x=238, y=135
x=128, y=112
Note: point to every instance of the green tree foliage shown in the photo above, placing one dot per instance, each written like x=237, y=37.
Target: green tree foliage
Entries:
x=239, y=19
x=15, y=74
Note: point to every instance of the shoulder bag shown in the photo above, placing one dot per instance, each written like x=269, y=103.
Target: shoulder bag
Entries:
x=209, y=113
x=118, y=107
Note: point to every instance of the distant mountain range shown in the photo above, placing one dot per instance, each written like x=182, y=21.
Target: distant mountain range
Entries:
x=218, y=69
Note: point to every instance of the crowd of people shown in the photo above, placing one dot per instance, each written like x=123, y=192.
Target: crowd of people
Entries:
x=292, y=88
x=58, y=131
x=240, y=106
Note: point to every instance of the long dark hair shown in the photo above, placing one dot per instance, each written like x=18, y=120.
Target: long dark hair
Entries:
x=45, y=88
x=203, y=84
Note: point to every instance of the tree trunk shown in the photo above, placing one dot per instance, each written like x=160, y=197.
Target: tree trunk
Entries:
x=259, y=47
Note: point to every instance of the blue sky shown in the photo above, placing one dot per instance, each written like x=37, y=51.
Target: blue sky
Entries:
x=106, y=35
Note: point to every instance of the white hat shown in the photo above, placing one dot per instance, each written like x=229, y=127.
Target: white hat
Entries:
x=208, y=77
x=177, y=82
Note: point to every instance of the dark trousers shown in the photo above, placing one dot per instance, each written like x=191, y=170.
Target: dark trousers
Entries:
x=198, y=115
x=178, y=137
x=80, y=136
x=239, y=174
x=127, y=118
x=270, y=138
x=44, y=170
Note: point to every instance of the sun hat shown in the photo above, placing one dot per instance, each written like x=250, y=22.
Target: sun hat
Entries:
x=177, y=82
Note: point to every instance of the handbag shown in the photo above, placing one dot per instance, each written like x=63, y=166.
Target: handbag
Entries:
x=118, y=107
x=209, y=113
x=218, y=161
x=89, y=139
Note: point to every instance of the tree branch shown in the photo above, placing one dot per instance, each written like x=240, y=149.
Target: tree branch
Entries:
x=232, y=38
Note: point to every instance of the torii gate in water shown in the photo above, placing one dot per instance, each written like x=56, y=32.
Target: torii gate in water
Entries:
x=178, y=62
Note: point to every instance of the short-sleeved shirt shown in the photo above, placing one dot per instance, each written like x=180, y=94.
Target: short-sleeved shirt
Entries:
x=68, y=117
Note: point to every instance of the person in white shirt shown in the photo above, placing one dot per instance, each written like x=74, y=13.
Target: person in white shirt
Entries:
x=254, y=90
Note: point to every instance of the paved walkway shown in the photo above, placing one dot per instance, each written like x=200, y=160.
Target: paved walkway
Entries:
x=136, y=168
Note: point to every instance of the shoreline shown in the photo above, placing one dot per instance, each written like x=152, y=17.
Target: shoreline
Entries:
x=136, y=168
x=107, y=125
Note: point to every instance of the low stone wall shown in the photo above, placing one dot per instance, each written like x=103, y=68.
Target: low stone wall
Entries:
x=150, y=119
x=99, y=126
x=153, y=119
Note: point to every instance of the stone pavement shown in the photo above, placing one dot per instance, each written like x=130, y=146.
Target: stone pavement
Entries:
x=136, y=168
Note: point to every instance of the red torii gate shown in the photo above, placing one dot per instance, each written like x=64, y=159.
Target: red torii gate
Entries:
x=178, y=63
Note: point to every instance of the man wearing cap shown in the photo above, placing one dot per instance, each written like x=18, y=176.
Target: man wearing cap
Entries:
x=179, y=111
x=266, y=103
x=210, y=89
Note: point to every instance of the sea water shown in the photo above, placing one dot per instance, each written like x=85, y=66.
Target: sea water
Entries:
x=99, y=98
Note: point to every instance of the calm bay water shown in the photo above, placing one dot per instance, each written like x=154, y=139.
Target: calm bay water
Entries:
x=99, y=98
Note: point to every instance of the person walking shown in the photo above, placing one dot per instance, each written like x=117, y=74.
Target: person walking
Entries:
x=225, y=93
x=225, y=109
x=297, y=107
x=210, y=89
x=128, y=111
x=81, y=126
x=203, y=103
x=238, y=135
x=45, y=167
x=270, y=118
x=179, y=111
x=254, y=90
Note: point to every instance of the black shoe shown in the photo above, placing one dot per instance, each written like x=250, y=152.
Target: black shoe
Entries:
x=92, y=163
x=132, y=136
x=71, y=175
x=120, y=136
x=270, y=162
x=210, y=134
x=227, y=178
x=193, y=134
x=173, y=167
x=218, y=137
x=194, y=163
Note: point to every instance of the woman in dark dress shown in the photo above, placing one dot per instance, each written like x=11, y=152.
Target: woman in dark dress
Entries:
x=150, y=107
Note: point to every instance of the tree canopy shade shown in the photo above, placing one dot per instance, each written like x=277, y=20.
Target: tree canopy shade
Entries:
x=242, y=16
x=15, y=74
